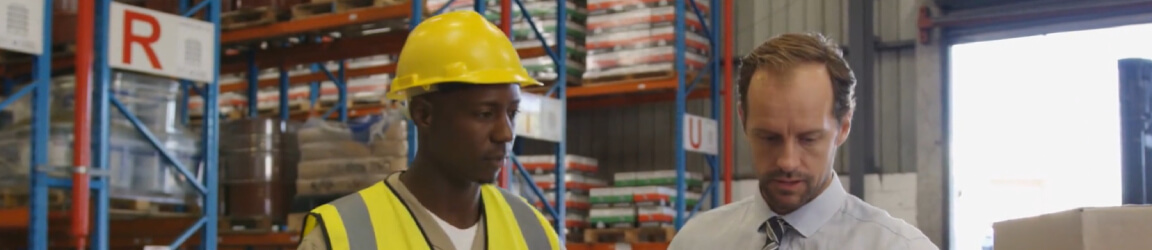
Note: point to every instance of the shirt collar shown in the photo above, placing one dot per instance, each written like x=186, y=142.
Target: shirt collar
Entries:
x=810, y=217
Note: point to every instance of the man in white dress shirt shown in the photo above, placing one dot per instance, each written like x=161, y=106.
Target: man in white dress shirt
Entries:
x=796, y=102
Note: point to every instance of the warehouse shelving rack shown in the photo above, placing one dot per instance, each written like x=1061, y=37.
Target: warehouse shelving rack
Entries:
x=91, y=131
x=91, y=63
x=719, y=64
x=208, y=184
x=39, y=90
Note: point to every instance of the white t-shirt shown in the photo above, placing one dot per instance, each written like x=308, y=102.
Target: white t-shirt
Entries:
x=461, y=238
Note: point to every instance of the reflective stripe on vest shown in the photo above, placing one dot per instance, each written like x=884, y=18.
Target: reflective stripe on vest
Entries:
x=534, y=233
x=352, y=210
x=348, y=222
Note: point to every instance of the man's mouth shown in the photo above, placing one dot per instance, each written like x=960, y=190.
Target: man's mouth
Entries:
x=788, y=183
x=496, y=158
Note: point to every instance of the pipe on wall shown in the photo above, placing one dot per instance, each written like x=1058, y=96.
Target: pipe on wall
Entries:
x=861, y=156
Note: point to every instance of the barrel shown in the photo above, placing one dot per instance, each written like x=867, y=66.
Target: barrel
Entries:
x=258, y=167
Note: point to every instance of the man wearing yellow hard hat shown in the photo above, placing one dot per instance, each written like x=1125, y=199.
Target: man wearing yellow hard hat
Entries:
x=461, y=78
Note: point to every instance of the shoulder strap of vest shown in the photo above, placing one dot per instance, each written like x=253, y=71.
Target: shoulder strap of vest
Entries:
x=533, y=227
x=346, y=222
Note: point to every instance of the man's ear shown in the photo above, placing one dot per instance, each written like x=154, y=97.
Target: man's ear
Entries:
x=420, y=109
x=740, y=116
x=845, y=128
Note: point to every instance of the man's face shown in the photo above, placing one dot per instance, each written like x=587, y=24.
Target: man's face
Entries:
x=472, y=130
x=793, y=134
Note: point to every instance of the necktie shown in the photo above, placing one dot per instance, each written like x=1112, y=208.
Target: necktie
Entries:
x=774, y=228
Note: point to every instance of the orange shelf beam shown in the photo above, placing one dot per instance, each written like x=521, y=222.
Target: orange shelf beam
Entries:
x=317, y=23
x=320, y=76
x=370, y=45
x=602, y=89
x=633, y=99
x=353, y=112
x=622, y=88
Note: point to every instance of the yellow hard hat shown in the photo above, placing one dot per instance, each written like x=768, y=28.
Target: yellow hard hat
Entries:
x=456, y=47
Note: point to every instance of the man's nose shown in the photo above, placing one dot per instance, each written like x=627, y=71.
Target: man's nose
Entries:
x=502, y=132
x=789, y=159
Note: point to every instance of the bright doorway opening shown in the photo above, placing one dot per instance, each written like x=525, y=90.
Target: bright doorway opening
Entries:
x=1035, y=125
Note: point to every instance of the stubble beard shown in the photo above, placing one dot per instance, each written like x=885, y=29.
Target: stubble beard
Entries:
x=774, y=198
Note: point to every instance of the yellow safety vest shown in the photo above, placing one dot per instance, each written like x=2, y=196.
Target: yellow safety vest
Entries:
x=377, y=218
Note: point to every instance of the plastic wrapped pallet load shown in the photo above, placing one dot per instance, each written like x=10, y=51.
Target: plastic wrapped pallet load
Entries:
x=547, y=163
x=573, y=200
x=612, y=217
x=135, y=167
x=617, y=196
x=333, y=163
x=137, y=170
x=648, y=216
x=655, y=178
x=661, y=195
x=609, y=196
x=572, y=220
x=573, y=181
x=544, y=69
x=637, y=39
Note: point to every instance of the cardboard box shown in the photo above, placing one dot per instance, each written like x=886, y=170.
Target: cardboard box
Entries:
x=1104, y=228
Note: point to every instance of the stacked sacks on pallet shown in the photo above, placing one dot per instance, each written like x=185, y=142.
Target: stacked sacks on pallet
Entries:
x=635, y=39
x=578, y=179
x=543, y=13
x=363, y=91
x=642, y=199
x=544, y=16
x=333, y=163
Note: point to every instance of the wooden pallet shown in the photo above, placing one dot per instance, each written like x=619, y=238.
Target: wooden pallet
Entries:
x=306, y=10
x=629, y=235
x=346, y=5
x=245, y=18
x=132, y=208
x=254, y=224
x=298, y=107
x=18, y=197
x=321, y=7
x=635, y=77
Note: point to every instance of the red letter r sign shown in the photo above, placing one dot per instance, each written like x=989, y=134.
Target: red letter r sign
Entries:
x=132, y=18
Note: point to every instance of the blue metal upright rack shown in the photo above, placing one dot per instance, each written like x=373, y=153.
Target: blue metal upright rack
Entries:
x=682, y=92
x=39, y=91
x=208, y=184
x=102, y=102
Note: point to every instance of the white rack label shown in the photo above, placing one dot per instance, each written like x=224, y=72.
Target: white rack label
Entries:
x=700, y=135
x=540, y=117
x=22, y=26
x=159, y=43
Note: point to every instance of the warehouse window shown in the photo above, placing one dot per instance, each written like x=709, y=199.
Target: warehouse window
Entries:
x=1036, y=126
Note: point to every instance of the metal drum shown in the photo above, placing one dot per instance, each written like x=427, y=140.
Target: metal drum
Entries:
x=258, y=175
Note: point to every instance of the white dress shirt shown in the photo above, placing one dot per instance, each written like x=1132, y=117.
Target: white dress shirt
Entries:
x=834, y=220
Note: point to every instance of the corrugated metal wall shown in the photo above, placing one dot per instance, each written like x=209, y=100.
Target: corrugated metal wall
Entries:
x=640, y=137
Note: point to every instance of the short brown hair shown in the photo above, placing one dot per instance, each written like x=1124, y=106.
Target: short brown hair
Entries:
x=785, y=51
